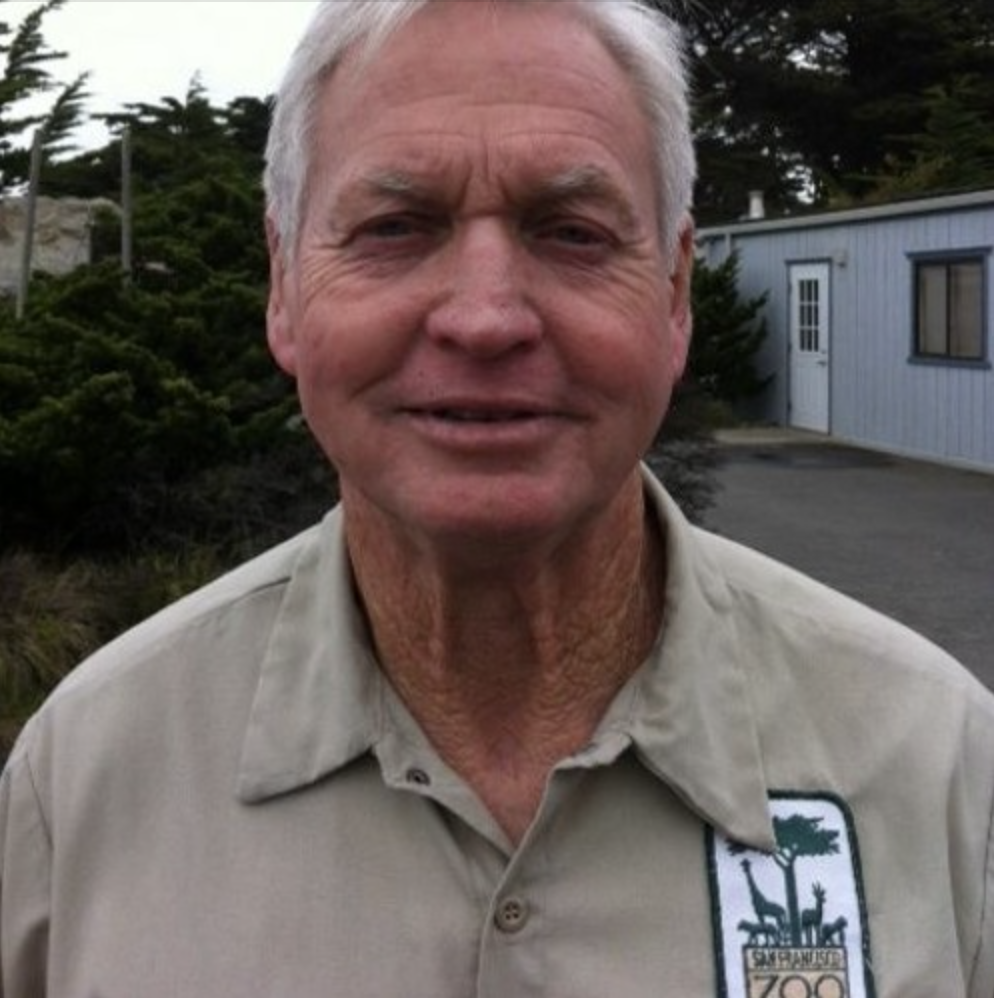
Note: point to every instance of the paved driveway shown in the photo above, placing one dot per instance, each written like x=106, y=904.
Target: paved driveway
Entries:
x=912, y=539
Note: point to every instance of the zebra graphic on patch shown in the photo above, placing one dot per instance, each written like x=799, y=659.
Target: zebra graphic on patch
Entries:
x=792, y=923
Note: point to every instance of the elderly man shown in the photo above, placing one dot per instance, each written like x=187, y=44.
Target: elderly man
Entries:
x=504, y=724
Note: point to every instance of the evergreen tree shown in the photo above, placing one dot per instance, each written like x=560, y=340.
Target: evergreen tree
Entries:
x=728, y=333
x=26, y=75
x=814, y=102
x=954, y=152
x=721, y=376
x=741, y=51
x=150, y=408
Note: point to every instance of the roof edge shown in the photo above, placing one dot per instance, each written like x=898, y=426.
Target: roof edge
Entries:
x=848, y=216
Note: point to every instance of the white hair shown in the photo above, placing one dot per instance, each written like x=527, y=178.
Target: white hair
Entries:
x=646, y=43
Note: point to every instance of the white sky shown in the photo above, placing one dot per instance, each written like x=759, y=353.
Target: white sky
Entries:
x=144, y=50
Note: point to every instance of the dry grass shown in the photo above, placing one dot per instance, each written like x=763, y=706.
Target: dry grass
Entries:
x=55, y=615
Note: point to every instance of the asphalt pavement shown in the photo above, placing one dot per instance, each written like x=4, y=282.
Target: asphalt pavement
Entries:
x=912, y=539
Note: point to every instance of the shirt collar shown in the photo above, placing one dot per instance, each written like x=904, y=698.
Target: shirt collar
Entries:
x=319, y=699
x=317, y=703
x=689, y=711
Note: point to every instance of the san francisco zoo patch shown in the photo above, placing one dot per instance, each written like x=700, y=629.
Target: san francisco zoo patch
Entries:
x=792, y=923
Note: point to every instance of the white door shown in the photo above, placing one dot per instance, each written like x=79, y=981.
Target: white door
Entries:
x=809, y=346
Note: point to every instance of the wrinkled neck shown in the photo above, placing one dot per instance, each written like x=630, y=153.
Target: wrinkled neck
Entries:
x=509, y=664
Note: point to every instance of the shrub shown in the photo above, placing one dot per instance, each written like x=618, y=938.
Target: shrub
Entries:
x=728, y=332
x=721, y=374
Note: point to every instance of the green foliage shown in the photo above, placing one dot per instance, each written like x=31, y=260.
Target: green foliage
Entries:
x=129, y=408
x=25, y=75
x=85, y=406
x=108, y=390
x=740, y=62
x=815, y=103
x=721, y=375
x=728, y=332
x=954, y=151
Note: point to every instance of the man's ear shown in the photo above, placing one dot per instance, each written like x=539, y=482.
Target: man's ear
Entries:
x=681, y=312
x=279, y=322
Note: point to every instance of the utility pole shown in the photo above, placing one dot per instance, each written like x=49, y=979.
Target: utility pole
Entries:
x=127, y=210
x=30, y=211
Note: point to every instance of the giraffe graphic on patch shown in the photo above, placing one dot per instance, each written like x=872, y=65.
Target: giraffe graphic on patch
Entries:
x=792, y=923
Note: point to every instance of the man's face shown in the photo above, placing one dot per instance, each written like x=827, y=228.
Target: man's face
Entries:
x=481, y=318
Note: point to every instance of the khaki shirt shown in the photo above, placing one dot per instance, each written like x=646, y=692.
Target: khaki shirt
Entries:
x=231, y=801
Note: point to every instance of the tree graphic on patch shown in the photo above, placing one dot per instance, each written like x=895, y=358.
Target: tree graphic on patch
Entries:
x=792, y=923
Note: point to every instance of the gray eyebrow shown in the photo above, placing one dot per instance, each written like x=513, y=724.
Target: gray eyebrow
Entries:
x=379, y=183
x=575, y=183
x=584, y=183
x=395, y=182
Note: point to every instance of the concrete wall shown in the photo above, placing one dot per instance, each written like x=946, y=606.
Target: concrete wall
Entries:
x=62, y=236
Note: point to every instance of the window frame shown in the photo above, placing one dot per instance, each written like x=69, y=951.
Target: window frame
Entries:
x=948, y=259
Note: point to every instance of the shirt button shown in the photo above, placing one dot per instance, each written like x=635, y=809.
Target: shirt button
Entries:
x=511, y=915
x=418, y=777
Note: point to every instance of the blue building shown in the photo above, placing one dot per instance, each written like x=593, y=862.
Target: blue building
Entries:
x=880, y=320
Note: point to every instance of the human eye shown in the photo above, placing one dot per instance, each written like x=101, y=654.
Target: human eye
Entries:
x=394, y=232
x=388, y=228
x=574, y=236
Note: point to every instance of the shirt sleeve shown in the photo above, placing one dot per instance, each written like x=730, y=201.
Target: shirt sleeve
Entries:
x=980, y=889
x=983, y=974
x=25, y=878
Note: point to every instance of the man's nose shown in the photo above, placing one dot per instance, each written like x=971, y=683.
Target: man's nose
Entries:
x=484, y=306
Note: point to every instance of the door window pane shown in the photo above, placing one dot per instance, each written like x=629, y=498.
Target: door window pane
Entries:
x=809, y=317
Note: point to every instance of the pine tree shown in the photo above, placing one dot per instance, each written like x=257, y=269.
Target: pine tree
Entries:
x=813, y=103
x=26, y=75
x=151, y=409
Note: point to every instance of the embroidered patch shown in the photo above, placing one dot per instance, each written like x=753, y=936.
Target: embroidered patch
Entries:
x=792, y=923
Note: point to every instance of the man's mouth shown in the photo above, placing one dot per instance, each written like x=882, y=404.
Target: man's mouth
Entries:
x=480, y=416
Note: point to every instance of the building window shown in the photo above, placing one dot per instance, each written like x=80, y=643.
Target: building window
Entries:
x=949, y=308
